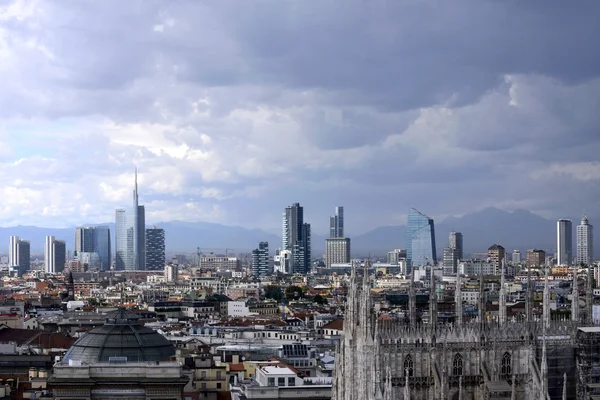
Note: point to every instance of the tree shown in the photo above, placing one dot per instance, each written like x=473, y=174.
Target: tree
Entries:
x=320, y=299
x=294, y=292
x=273, y=292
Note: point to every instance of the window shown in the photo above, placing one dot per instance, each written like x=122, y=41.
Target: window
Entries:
x=218, y=385
x=219, y=375
x=280, y=381
x=203, y=374
x=291, y=381
x=271, y=381
x=506, y=364
x=408, y=365
x=457, y=365
x=203, y=386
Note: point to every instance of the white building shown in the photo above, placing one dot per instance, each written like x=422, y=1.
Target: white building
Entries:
x=55, y=255
x=237, y=309
x=585, y=243
x=337, y=250
x=476, y=267
x=171, y=273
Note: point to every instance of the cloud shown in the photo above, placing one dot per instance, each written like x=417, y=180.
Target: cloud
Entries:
x=233, y=110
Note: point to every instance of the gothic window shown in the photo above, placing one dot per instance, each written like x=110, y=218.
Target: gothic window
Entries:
x=408, y=365
x=457, y=365
x=506, y=364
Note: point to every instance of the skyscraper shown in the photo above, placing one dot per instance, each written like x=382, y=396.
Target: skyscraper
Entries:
x=55, y=255
x=455, y=241
x=420, y=239
x=296, y=238
x=336, y=223
x=155, y=249
x=19, y=254
x=564, y=242
x=93, y=246
x=131, y=235
x=585, y=242
x=260, y=260
x=516, y=256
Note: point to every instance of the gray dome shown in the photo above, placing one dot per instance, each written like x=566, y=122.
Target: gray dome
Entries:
x=120, y=336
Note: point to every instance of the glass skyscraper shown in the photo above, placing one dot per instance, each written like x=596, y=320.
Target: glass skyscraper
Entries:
x=92, y=245
x=296, y=238
x=131, y=235
x=420, y=239
x=564, y=242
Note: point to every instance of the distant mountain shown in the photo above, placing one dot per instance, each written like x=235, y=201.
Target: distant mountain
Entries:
x=514, y=230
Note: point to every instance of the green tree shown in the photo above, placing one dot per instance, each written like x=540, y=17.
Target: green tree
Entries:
x=320, y=299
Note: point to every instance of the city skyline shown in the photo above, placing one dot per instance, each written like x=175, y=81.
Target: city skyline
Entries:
x=211, y=136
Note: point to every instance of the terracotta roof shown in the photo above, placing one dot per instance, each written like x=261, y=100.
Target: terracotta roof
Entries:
x=337, y=324
x=237, y=367
x=36, y=337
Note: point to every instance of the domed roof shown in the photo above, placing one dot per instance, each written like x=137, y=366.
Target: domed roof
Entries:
x=120, y=336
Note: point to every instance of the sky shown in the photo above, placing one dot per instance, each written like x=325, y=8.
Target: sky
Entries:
x=232, y=110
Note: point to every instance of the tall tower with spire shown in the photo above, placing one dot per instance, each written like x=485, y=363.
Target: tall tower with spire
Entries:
x=131, y=234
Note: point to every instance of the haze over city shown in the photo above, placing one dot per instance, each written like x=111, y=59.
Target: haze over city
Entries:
x=232, y=111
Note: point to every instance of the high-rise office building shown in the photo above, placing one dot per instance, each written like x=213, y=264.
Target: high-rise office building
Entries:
x=395, y=256
x=296, y=238
x=155, y=249
x=93, y=247
x=564, y=242
x=516, y=257
x=336, y=223
x=496, y=254
x=19, y=255
x=585, y=242
x=260, y=260
x=455, y=241
x=337, y=251
x=55, y=255
x=420, y=239
x=450, y=262
x=131, y=235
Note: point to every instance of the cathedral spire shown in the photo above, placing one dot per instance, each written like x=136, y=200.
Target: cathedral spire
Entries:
x=575, y=298
x=513, y=391
x=458, y=300
x=481, y=310
x=432, y=304
x=502, y=300
x=546, y=302
x=589, y=296
x=412, y=301
x=544, y=368
x=564, y=394
x=529, y=298
x=406, y=387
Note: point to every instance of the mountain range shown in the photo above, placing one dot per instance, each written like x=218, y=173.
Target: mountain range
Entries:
x=520, y=230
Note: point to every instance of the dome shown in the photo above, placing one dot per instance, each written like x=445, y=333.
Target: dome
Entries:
x=120, y=336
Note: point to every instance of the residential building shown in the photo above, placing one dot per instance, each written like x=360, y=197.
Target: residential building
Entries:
x=336, y=223
x=496, y=254
x=450, y=262
x=171, y=273
x=585, y=243
x=93, y=247
x=455, y=241
x=564, y=242
x=420, y=239
x=260, y=260
x=283, y=261
x=337, y=251
x=155, y=249
x=395, y=256
x=131, y=235
x=516, y=257
x=218, y=263
x=55, y=255
x=19, y=255
x=535, y=258
x=296, y=238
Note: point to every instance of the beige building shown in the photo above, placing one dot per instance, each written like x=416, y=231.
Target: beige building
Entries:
x=496, y=254
x=337, y=251
x=535, y=258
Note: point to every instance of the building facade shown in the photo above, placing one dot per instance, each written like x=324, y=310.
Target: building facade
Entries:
x=420, y=239
x=585, y=243
x=516, y=257
x=455, y=241
x=131, y=235
x=93, y=246
x=336, y=223
x=19, y=254
x=535, y=258
x=496, y=254
x=564, y=242
x=260, y=260
x=296, y=238
x=55, y=255
x=337, y=251
x=155, y=249
x=450, y=262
